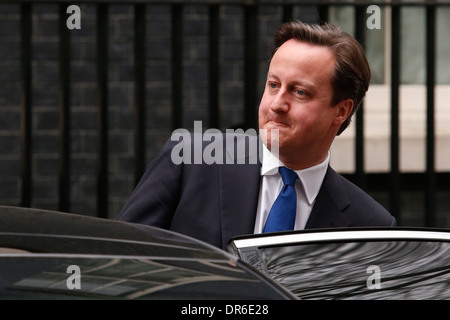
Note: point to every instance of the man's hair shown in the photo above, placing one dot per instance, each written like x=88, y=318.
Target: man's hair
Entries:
x=351, y=74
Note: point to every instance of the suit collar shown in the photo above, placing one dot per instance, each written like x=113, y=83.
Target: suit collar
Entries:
x=311, y=178
x=330, y=202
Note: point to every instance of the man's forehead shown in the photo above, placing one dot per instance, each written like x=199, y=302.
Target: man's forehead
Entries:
x=302, y=62
x=296, y=50
x=303, y=46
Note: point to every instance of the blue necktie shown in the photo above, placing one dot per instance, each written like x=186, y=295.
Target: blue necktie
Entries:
x=282, y=215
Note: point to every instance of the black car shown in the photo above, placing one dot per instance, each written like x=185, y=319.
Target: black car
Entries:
x=53, y=255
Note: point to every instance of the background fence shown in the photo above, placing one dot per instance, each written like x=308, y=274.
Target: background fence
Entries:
x=84, y=110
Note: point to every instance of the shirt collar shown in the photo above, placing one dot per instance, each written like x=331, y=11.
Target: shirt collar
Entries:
x=311, y=178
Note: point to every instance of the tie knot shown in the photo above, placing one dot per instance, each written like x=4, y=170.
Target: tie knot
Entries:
x=289, y=176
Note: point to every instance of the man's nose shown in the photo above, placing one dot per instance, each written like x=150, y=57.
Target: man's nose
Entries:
x=280, y=102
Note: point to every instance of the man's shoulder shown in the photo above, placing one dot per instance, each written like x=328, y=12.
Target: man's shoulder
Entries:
x=353, y=191
x=362, y=207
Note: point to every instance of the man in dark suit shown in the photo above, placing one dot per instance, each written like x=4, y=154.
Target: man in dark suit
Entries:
x=213, y=186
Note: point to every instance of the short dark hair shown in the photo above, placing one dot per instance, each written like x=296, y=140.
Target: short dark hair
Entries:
x=351, y=74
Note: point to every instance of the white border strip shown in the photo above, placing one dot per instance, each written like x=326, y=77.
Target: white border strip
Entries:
x=341, y=235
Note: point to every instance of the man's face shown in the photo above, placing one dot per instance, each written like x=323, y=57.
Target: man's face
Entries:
x=297, y=101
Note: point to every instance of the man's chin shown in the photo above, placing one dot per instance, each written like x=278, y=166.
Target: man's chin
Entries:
x=271, y=139
x=269, y=134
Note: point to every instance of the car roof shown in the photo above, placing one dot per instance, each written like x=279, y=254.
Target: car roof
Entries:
x=37, y=230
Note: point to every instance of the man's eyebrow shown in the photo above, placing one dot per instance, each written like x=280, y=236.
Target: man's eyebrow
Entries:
x=270, y=74
x=305, y=84
x=309, y=86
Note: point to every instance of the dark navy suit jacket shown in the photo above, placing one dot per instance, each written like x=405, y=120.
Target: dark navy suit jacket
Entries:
x=214, y=202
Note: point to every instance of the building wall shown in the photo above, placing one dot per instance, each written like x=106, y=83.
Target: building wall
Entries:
x=83, y=104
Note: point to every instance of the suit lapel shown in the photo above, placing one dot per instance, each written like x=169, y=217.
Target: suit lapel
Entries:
x=330, y=202
x=239, y=189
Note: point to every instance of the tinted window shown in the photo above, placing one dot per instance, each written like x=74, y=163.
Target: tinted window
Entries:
x=358, y=270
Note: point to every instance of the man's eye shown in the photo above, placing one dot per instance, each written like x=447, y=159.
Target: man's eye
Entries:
x=300, y=92
x=273, y=85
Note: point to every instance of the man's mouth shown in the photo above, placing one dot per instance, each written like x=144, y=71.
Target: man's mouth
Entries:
x=277, y=123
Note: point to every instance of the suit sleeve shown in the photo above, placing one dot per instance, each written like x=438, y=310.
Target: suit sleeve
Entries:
x=365, y=210
x=155, y=198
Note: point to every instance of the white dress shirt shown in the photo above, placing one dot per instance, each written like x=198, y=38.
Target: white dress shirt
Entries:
x=307, y=187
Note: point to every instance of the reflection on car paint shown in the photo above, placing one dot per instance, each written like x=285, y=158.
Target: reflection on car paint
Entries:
x=408, y=269
x=123, y=278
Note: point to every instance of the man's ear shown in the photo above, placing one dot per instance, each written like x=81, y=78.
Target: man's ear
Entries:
x=343, y=111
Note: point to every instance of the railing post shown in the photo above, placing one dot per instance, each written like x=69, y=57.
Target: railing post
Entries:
x=323, y=13
x=214, y=65
x=287, y=12
x=102, y=105
x=177, y=66
x=251, y=66
x=64, y=113
x=26, y=78
x=139, y=90
x=360, y=35
x=430, y=198
x=395, y=190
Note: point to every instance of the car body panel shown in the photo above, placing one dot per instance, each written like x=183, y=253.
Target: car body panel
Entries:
x=116, y=260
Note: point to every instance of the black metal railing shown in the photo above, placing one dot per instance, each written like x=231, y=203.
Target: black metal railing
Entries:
x=429, y=181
